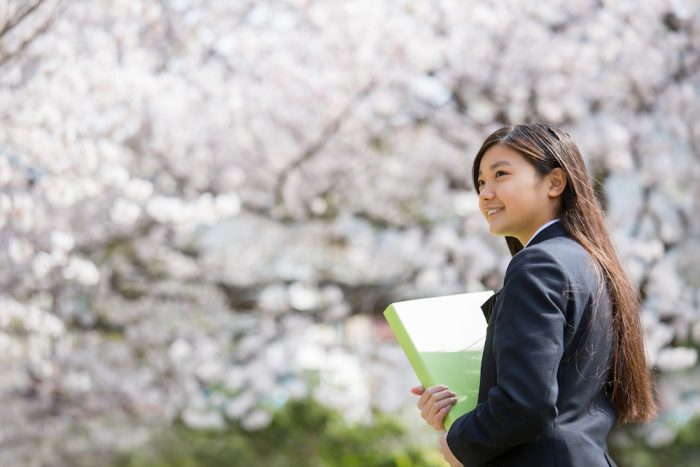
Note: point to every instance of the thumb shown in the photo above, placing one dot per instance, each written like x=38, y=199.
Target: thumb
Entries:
x=417, y=390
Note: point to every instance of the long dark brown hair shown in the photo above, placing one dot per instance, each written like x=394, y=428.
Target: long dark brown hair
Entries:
x=547, y=148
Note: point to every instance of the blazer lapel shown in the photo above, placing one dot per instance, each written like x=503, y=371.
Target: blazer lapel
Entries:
x=552, y=231
x=487, y=306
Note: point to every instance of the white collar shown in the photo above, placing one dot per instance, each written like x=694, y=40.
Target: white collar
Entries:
x=540, y=230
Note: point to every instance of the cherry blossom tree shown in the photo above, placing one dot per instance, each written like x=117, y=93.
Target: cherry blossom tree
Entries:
x=194, y=196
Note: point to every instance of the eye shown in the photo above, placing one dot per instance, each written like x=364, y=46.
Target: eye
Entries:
x=479, y=184
x=499, y=173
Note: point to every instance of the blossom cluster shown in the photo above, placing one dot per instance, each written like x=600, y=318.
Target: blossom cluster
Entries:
x=203, y=203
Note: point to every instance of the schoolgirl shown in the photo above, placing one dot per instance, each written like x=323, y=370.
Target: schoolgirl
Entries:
x=564, y=357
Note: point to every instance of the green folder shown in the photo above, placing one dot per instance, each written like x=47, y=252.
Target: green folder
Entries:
x=443, y=338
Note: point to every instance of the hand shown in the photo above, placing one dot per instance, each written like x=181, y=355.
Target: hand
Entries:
x=447, y=454
x=434, y=404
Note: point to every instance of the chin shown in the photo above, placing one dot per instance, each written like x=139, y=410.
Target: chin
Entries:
x=501, y=233
x=495, y=230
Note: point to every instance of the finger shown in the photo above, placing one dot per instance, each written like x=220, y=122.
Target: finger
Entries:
x=441, y=395
x=441, y=406
x=440, y=416
x=430, y=406
x=439, y=419
x=427, y=403
x=418, y=390
x=428, y=393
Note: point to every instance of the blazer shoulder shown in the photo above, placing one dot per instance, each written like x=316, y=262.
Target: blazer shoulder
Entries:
x=549, y=251
x=574, y=262
x=561, y=249
x=563, y=252
x=535, y=266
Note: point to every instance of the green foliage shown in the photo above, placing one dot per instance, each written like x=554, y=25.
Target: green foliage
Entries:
x=301, y=434
x=683, y=452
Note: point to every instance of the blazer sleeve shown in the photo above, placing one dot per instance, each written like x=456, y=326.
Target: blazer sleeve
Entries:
x=528, y=343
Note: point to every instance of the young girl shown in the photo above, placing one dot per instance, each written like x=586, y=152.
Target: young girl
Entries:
x=564, y=354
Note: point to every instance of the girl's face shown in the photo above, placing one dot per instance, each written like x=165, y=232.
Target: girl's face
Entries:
x=513, y=197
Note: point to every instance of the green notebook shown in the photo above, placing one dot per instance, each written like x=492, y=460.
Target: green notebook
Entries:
x=443, y=338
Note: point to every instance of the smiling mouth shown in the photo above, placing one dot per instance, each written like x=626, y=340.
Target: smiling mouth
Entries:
x=491, y=212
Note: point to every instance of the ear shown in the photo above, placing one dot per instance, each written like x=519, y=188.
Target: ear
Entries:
x=557, y=182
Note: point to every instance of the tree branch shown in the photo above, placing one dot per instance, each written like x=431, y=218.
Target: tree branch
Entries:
x=14, y=21
x=326, y=135
x=8, y=55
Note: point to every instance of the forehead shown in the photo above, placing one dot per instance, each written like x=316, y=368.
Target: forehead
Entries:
x=497, y=154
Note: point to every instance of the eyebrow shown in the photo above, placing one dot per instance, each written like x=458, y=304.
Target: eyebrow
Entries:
x=496, y=165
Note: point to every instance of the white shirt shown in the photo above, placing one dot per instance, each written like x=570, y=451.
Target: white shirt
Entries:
x=540, y=230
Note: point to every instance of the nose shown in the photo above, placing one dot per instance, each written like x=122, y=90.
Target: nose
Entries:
x=485, y=193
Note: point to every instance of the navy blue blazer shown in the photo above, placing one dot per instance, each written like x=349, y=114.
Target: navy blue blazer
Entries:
x=543, y=395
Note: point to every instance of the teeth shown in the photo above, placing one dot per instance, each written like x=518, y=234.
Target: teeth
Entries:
x=491, y=212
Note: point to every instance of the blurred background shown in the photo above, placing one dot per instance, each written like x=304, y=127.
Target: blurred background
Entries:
x=205, y=205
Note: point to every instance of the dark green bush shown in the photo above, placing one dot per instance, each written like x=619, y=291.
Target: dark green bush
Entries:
x=683, y=452
x=306, y=434
x=303, y=434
